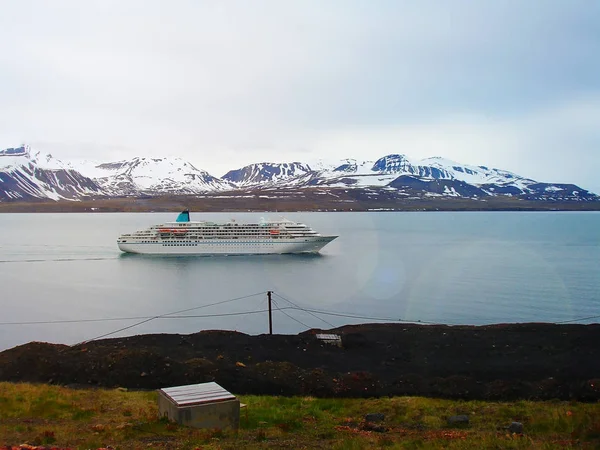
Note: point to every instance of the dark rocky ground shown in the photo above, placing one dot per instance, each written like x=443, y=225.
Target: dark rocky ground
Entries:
x=499, y=362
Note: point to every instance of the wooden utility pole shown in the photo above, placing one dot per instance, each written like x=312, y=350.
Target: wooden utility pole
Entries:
x=270, y=314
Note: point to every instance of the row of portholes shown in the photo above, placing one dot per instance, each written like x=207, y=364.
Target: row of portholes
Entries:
x=183, y=244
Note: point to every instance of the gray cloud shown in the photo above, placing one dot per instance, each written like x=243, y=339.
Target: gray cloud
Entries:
x=225, y=83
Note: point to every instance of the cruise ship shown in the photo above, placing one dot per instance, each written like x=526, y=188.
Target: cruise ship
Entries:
x=186, y=237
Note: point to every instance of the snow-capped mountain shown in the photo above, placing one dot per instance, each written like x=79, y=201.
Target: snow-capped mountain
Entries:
x=270, y=174
x=26, y=176
x=349, y=172
x=478, y=175
x=152, y=176
x=441, y=176
x=389, y=167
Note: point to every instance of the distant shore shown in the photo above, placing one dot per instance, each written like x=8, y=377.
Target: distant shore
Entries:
x=494, y=362
x=307, y=200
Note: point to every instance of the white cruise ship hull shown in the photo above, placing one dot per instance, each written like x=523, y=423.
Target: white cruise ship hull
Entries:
x=210, y=247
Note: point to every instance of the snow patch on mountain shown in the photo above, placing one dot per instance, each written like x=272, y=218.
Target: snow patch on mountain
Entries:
x=348, y=172
x=269, y=174
x=19, y=156
x=29, y=175
x=338, y=167
x=484, y=181
x=152, y=176
x=477, y=175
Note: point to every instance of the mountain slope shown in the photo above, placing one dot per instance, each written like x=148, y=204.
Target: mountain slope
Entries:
x=442, y=187
x=26, y=176
x=440, y=176
x=272, y=174
x=152, y=176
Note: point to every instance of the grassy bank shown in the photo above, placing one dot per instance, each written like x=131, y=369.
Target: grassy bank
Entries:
x=86, y=418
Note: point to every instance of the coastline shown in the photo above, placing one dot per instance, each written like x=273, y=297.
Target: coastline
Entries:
x=313, y=201
x=537, y=361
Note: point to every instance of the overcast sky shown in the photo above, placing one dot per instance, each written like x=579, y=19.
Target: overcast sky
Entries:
x=507, y=83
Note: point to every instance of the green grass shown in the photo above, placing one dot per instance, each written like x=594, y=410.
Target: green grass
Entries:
x=57, y=416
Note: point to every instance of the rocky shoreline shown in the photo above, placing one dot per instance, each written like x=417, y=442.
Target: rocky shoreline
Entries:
x=291, y=200
x=494, y=362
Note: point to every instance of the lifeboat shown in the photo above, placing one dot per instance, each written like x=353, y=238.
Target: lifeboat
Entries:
x=172, y=230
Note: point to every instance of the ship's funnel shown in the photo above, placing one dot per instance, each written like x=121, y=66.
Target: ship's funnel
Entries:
x=183, y=216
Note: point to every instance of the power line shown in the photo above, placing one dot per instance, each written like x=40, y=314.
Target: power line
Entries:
x=577, y=320
x=355, y=316
x=297, y=306
x=195, y=316
x=241, y=313
x=168, y=314
x=261, y=304
x=293, y=318
x=46, y=322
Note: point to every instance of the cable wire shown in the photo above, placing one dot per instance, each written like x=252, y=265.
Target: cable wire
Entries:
x=577, y=320
x=195, y=316
x=167, y=314
x=293, y=318
x=217, y=315
x=355, y=316
x=46, y=322
x=261, y=303
x=297, y=306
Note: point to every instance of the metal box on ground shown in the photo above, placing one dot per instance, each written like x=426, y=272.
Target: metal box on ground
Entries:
x=204, y=405
x=333, y=339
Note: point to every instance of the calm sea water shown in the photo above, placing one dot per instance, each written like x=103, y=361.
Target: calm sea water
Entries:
x=456, y=268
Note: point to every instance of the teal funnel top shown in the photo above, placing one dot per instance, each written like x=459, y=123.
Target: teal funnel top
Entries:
x=183, y=216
